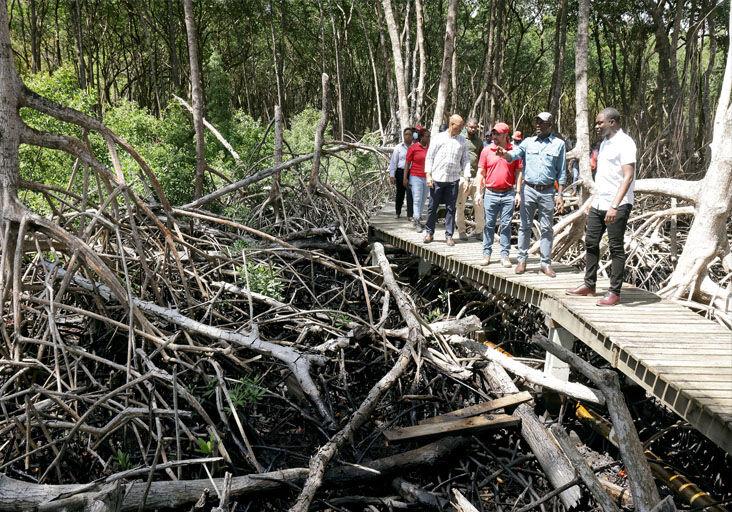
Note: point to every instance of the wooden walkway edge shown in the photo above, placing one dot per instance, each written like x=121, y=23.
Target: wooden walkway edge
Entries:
x=681, y=358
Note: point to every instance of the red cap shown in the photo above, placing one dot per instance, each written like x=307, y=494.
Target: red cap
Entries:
x=517, y=135
x=501, y=128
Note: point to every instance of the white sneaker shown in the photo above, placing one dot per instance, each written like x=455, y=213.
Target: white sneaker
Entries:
x=505, y=263
x=486, y=260
x=462, y=235
x=418, y=226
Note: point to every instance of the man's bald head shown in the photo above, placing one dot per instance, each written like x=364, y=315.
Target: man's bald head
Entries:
x=455, y=125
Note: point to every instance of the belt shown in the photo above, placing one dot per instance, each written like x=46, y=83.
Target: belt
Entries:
x=539, y=188
x=499, y=190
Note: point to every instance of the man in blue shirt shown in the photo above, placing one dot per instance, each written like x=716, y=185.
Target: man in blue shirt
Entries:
x=544, y=164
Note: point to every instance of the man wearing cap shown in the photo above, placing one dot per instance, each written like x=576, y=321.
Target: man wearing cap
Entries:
x=468, y=186
x=396, y=174
x=611, y=205
x=447, y=160
x=496, y=180
x=543, y=156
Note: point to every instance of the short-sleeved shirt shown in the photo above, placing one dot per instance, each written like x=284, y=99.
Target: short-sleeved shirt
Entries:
x=614, y=152
x=497, y=173
x=416, y=155
x=544, y=160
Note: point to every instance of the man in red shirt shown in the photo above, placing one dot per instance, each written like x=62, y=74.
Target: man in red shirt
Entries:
x=496, y=182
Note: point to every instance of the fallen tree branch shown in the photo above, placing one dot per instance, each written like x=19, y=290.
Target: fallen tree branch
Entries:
x=320, y=460
x=572, y=389
x=642, y=486
x=298, y=363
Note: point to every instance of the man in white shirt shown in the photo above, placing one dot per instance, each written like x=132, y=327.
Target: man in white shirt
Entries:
x=611, y=205
x=396, y=174
x=447, y=160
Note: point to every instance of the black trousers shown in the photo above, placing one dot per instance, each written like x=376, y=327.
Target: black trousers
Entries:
x=615, y=233
x=401, y=191
x=442, y=192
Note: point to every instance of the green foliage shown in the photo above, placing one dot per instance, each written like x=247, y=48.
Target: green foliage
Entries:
x=341, y=320
x=218, y=90
x=264, y=279
x=246, y=391
x=433, y=315
x=122, y=459
x=205, y=446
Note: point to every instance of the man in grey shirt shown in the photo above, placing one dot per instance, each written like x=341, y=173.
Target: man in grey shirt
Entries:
x=396, y=174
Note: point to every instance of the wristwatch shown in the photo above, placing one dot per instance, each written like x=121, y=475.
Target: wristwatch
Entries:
x=614, y=206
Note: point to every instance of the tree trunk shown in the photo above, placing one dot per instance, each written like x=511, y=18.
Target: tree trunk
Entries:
x=196, y=97
x=560, y=38
x=419, y=98
x=393, y=118
x=76, y=16
x=398, y=64
x=10, y=89
x=446, y=64
x=707, y=238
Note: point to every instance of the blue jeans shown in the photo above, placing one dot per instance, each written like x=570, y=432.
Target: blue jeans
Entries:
x=497, y=204
x=419, y=194
x=532, y=201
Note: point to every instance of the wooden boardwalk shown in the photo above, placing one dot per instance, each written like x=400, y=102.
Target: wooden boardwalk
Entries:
x=676, y=355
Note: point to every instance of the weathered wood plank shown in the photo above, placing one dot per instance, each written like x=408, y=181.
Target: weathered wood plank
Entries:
x=462, y=426
x=482, y=408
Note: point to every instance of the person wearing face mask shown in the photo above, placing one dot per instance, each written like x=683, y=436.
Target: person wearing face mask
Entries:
x=610, y=209
x=544, y=164
x=396, y=174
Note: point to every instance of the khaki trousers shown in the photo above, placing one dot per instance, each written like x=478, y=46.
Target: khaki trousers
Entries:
x=468, y=189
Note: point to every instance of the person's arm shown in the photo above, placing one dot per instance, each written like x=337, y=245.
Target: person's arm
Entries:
x=393, y=164
x=429, y=160
x=627, y=164
x=519, y=184
x=465, y=163
x=517, y=152
x=482, y=167
x=407, y=166
x=561, y=174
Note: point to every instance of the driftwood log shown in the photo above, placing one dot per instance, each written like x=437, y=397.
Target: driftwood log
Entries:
x=18, y=496
x=642, y=486
x=542, y=443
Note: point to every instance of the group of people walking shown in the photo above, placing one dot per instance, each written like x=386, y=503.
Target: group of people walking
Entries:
x=528, y=175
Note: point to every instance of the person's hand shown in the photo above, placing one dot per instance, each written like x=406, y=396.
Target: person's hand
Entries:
x=405, y=183
x=429, y=183
x=588, y=208
x=478, y=197
x=611, y=215
x=517, y=200
x=500, y=151
x=392, y=180
x=559, y=203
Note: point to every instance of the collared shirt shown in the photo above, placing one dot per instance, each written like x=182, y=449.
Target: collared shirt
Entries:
x=614, y=152
x=475, y=146
x=398, y=158
x=416, y=155
x=447, y=158
x=494, y=171
x=544, y=160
